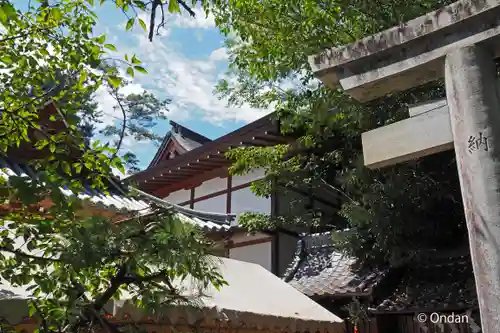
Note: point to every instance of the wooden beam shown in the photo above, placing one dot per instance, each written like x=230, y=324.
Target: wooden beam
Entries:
x=213, y=161
x=199, y=167
x=229, y=190
x=191, y=198
x=424, y=134
x=218, y=193
x=254, y=144
x=191, y=181
x=271, y=139
x=233, y=245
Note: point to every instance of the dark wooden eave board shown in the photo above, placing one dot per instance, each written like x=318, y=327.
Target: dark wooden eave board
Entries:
x=206, y=155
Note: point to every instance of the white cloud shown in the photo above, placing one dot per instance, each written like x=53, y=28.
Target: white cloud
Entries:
x=189, y=83
x=107, y=104
x=219, y=54
x=200, y=21
x=112, y=115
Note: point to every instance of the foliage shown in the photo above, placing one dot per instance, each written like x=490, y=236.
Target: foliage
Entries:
x=394, y=214
x=74, y=260
x=133, y=116
x=82, y=265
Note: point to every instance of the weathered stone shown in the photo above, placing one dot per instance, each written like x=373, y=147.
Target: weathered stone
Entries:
x=462, y=38
x=424, y=134
x=425, y=107
x=474, y=104
x=410, y=54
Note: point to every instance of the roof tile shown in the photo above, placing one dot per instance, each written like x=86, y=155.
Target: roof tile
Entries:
x=143, y=204
x=319, y=269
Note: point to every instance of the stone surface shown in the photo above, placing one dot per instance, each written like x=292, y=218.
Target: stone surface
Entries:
x=425, y=107
x=458, y=42
x=424, y=134
x=408, y=55
x=474, y=104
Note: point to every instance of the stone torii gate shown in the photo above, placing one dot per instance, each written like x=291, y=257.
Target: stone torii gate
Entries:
x=458, y=42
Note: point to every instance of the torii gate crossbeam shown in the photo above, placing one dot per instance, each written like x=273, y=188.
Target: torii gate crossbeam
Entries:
x=458, y=42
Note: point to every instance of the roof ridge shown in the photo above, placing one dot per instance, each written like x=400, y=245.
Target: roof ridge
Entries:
x=120, y=198
x=259, y=123
x=320, y=239
x=216, y=217
x=189, y=131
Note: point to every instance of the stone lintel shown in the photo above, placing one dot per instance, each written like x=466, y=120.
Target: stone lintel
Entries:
x=410, y=54
x=424, y=107
x=427, y=132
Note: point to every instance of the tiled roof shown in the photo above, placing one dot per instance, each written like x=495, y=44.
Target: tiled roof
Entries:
x=443, y=284
x=121, y=200
x=185, y=142
x=320, y=270
x=186, y=138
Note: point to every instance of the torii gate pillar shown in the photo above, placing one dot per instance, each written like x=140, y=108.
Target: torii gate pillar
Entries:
x=459, y=42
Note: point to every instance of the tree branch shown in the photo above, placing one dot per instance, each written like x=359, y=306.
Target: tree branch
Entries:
x=124, y=122
x=115, y=284
x=162, y=23
x=156, y=3
x=26, y=34
x=339, y=191
x=187, y=8
x=45, y=327
x=27, y=255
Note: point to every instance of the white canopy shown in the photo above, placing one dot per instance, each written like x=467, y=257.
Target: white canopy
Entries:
x=254, y=297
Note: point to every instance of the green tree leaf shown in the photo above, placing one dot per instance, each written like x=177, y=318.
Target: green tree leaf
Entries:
x=143, y=24
x=7, y=12
x=114, y=81
x=101, y=39
x=130, y=23
x=130, y=71
x=173, y=6
x=135, y=60
x=140, y=69
x=110, y=47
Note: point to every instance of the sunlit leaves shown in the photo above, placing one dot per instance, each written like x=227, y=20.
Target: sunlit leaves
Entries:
x=51, y=60
x=140, y=69
x=130, y=71
x=173, y=6
x=268, y=43
x=135, y=60
x=130, y=23
x=110, y=47
x=114, y=81
x=142, y=24
x=7, y=12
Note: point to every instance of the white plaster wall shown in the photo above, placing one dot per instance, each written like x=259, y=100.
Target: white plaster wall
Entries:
x=244, y=200
x=213, y=205
x=179, y=196
x=249, y=177
x=257, y=254
x=245, y=237
x=211, y=186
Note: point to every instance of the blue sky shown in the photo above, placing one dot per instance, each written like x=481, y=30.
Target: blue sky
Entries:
x=184, y=64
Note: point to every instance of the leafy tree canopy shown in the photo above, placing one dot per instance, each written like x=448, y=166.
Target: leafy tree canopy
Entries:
x=75, y=261
x=394, y=214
